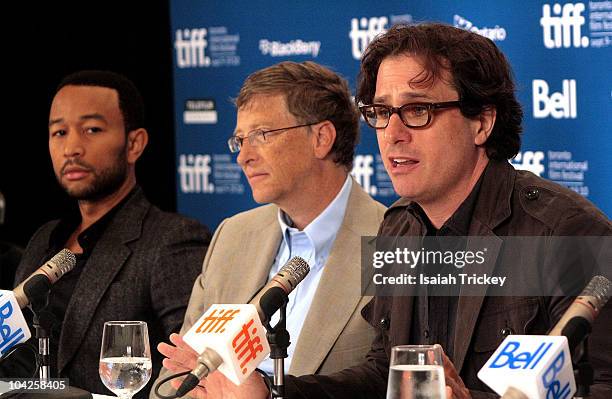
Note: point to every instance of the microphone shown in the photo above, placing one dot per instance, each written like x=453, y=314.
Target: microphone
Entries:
x=53, y=270
x=287, y=278
x=13, y=326
x=232, y=338
x=577, y=320
x=541, y=364
x=2, y=208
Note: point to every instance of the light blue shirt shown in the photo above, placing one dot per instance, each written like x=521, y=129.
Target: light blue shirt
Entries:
x=313, y=244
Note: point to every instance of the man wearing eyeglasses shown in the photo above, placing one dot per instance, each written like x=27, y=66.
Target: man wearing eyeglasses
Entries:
x=442, y=103
x=295, y=137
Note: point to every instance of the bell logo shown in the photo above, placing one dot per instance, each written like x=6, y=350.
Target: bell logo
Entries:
x=562, y=28
x=363, y=30
x=558, y=105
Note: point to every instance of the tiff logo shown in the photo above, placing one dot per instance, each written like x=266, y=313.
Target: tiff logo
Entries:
x=195, y=171
x=560, y=105
x=529, y=160
x=363, y=172
x=363, y=30
x=190, y=45
x=563, y=26
x=214, y=323
x=245, y=346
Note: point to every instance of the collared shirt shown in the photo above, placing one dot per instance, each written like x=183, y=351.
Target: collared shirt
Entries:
x=314, y=244
x=434, y=315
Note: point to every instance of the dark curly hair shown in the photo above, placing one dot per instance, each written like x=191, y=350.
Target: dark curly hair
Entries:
x=131, y=103
x=313, y=93
x=480, y=73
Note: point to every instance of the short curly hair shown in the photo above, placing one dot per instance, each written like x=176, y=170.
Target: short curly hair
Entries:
x=480, y=73
x=313, y=93
x=131, y=103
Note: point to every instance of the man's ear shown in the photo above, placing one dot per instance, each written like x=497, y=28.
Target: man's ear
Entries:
x=487, y=121
x=324, y=137
x=136, y=142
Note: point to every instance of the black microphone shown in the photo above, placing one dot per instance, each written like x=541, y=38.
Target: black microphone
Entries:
x=267, y=301
x=287, y=278
x=2, y=208
x=576, y=322
x=49, y=273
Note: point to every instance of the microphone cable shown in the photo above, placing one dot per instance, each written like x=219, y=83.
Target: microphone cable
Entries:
x=266, y=378
x=30, y=347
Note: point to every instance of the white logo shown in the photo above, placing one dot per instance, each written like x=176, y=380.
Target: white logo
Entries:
x=190, y=45
x=495, y=34
x=563, y=27
x=363, y=30
x=294, y=47
x=200, y=112
x=529, y=160
x=558, y=105
x=363, y=172
x=195, y=174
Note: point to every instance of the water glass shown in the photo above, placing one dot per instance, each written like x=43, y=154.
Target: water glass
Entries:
x=416, y=372
x=125, y=357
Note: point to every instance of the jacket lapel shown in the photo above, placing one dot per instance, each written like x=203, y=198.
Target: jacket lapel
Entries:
x=340, y=285
x=252, y=272
x=492, y=208
x=107, y=258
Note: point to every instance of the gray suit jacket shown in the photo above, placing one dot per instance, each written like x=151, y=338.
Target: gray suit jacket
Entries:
x=142, y=268
x=238, y=264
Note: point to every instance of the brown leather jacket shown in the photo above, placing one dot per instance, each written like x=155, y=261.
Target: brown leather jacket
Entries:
x=510, y=203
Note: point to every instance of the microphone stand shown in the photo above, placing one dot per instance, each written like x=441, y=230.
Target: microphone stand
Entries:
x=584, y=373
x=42, y=321
x=278, y=337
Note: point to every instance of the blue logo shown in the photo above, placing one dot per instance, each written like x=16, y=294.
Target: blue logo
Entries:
x=552, y=383
x=8, y=339
x=510, y=357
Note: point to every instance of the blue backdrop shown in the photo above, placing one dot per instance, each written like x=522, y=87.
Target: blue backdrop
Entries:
x=560, y=52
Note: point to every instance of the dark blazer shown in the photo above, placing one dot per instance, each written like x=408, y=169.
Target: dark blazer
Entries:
x=142, y=268
x=510, y=203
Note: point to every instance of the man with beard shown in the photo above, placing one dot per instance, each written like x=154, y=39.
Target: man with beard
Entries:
x=134, y=262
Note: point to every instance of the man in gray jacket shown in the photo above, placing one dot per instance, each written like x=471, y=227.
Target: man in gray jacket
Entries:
x=134, y=262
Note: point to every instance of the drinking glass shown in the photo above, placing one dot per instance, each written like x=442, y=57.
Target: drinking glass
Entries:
x=416, y=372
x=125, y=357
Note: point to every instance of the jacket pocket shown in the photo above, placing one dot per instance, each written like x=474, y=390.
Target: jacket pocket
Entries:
x=502, y=316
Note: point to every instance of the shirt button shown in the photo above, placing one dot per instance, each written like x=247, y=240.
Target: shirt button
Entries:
x=426, y=333
x=384, y=323
x=506, y=331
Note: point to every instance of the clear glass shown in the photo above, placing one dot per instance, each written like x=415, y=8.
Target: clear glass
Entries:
x=125, y=357
x=258, y=136
x=416, y=372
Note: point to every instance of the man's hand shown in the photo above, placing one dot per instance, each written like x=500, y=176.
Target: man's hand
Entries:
x=455, y=388
x=181, y=357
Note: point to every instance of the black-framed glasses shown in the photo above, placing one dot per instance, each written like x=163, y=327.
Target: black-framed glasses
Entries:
x=258, y=136
x=413, y=115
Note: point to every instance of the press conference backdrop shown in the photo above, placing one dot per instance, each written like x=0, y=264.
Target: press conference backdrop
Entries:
x=561, y=53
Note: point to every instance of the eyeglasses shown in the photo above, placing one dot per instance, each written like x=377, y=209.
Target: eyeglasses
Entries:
x=258, y=136
x=412, y=115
